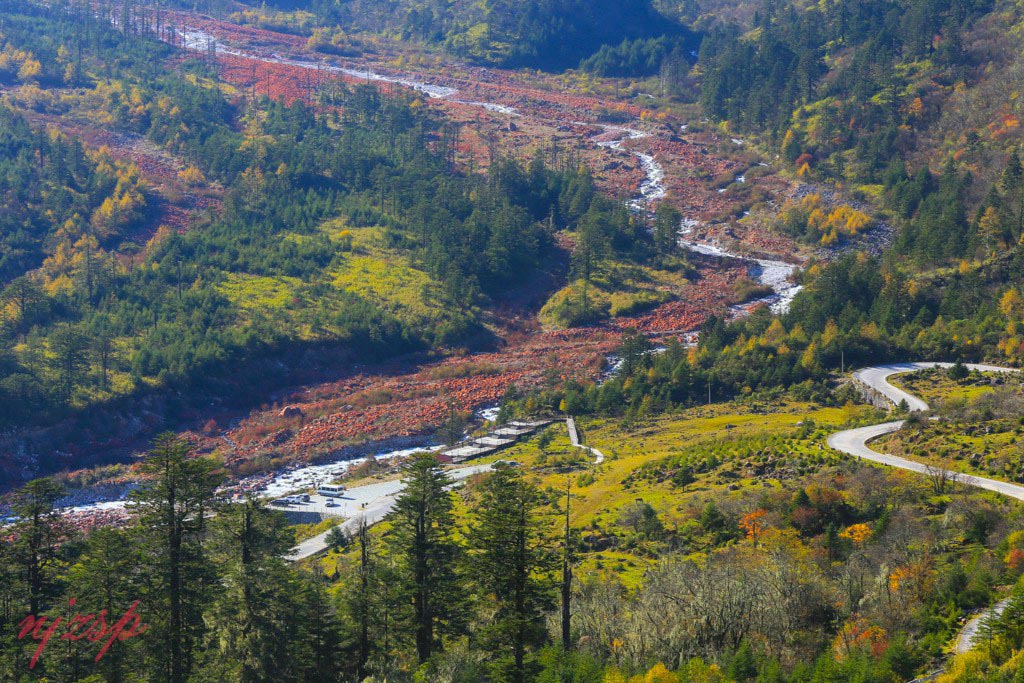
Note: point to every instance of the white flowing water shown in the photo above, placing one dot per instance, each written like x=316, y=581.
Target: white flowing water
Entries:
x=653, y=186
x=436, y=91
x=489, y=413
x=98, y=506
x=193, y=39
x=491, y=106
x=774, y=274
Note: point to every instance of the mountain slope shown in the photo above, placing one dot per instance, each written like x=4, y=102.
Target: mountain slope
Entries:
x=545, y=34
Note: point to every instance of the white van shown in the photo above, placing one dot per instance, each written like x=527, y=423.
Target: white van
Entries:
x=331, y=490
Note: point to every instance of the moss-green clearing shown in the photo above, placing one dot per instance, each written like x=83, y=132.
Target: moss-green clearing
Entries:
x=616, y=289
x=259, y=293
x=389, y=280
x=369, y=268
x=364, y=265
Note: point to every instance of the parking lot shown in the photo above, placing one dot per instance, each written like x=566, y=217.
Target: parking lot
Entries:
x=371, y=502
x=352, y=503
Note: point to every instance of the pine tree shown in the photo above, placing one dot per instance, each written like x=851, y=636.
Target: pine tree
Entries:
x=362, y=601
x=38, y=534
x=26, y=297
x=454, y=425
x=12, y=595
x=70, y=348
x=511, y=564
x=320, y=654
x=667, y=223
x=103, y=351
x=255, y=616
x=742, y=665
x=421, y=540
x=108, y=576
x=171, y=509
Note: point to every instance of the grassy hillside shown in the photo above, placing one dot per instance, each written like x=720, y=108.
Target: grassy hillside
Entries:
x=979, y=427
x=749, y=484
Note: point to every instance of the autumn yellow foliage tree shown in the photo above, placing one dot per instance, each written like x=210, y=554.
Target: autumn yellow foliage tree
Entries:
x=659, y=673
x=29, y=71
x=1011, y=303
x=191, y=176
x=990, y=229
x=15, y=63
x=124, y=206
x=857, y=533
x=811, y=218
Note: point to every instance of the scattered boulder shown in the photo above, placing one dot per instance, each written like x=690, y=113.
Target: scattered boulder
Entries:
x=291, y=411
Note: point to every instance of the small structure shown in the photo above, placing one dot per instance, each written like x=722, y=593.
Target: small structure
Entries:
x=464, y=453
x=512, y=432
x=495, y=442
x=532, y=424
x=500, y=438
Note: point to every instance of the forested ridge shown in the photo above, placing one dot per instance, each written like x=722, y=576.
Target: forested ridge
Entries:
x=544, y=34
x=872, y=97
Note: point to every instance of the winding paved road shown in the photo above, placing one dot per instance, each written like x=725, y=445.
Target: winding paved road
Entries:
x=854, y=442
x=969, y=633
x=876, y=378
